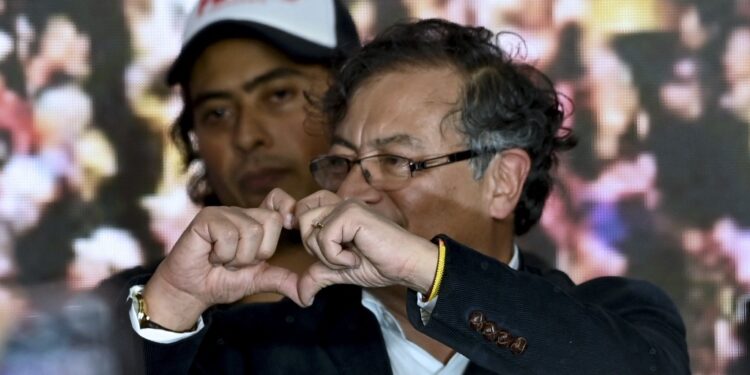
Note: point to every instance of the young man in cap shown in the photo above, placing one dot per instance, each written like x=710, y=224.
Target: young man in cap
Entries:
x=443, y=148
x=245, y=71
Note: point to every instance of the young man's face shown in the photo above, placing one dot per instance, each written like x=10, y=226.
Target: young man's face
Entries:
x=249, y=116
x=402, y=113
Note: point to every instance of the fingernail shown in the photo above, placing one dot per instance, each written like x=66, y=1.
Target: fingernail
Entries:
x=288, y=219
x=310, y=302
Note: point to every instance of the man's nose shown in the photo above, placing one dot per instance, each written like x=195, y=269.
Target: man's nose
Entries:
x=356, y=186
x=252, y=131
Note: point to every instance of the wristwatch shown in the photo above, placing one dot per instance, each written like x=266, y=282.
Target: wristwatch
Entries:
x=141, y=313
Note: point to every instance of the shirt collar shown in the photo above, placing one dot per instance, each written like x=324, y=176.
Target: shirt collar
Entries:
x=516, y=259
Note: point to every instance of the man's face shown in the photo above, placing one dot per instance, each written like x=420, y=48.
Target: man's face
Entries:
x=249, y=115
x=404, y=113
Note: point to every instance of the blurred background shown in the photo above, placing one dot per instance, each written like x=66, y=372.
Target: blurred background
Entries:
x=657, y=189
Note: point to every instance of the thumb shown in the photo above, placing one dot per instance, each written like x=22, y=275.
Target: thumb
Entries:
x=317, y=277
x=272, y=279
x=280, y=201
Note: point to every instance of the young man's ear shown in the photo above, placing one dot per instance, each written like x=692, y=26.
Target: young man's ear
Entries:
x=505, y=177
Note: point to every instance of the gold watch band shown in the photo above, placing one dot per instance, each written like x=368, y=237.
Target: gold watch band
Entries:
x=144, y=321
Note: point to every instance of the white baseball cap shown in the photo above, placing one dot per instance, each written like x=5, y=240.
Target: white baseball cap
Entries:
x=308, y=31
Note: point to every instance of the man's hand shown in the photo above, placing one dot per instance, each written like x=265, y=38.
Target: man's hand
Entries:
x=356, y=245
x=220, y=258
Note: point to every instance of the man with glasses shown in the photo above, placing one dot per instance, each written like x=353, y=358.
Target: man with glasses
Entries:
x=442, y=150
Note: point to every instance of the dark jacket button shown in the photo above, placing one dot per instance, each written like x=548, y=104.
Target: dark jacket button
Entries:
x=476, y=320
x=504, y=338
x=519, y=345
x=489, y=331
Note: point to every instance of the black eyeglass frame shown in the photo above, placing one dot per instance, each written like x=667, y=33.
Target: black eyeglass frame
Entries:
x=414, y=166
x=431, y=162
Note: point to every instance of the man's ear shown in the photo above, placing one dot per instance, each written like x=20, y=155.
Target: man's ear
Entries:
x=505, y=177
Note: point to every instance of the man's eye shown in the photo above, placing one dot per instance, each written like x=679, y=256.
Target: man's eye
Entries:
x=281, y=95
x=216, y=115
x=392, y=161
x=339, y=162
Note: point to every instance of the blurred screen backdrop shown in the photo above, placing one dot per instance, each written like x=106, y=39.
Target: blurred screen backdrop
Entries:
x=657, y=189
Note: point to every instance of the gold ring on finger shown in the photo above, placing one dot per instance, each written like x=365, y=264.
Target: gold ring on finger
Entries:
x=318, y=225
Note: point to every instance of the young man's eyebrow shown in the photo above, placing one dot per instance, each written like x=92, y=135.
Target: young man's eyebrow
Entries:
x=280, y=72
x=208, y=95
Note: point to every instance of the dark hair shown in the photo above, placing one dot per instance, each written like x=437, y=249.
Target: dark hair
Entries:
x=179, y=132
x=504, y=104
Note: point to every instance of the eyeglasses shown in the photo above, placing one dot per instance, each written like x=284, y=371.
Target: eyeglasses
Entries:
x=383, y=171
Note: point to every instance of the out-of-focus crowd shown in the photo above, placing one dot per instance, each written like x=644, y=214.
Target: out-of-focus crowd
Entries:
x=658, y=93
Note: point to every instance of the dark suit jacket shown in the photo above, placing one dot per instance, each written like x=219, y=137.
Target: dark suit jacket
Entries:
x=605, y=326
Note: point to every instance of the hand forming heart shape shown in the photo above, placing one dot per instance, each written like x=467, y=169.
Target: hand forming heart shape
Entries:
x=221, y=257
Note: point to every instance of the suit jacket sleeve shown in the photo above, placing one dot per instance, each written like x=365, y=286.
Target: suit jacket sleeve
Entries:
x=134, y=354
x=547, y=325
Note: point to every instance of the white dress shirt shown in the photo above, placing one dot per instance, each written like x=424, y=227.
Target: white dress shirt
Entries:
x=406, y=357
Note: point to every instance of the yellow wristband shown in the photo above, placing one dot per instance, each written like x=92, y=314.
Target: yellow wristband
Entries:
x=435, y=289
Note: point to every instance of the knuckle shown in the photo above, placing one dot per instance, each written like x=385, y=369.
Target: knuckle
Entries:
x=265, y=252
x=274, y=219
x=270, y=200
x=302, y=207
x=351, y=202
x=262, y=255
x=320, y=194
x=275, y=192
x=253, y=229
x=230, y=234
x=350, y=205
x=315, y=276
x=207, y=212
x=230, y=208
